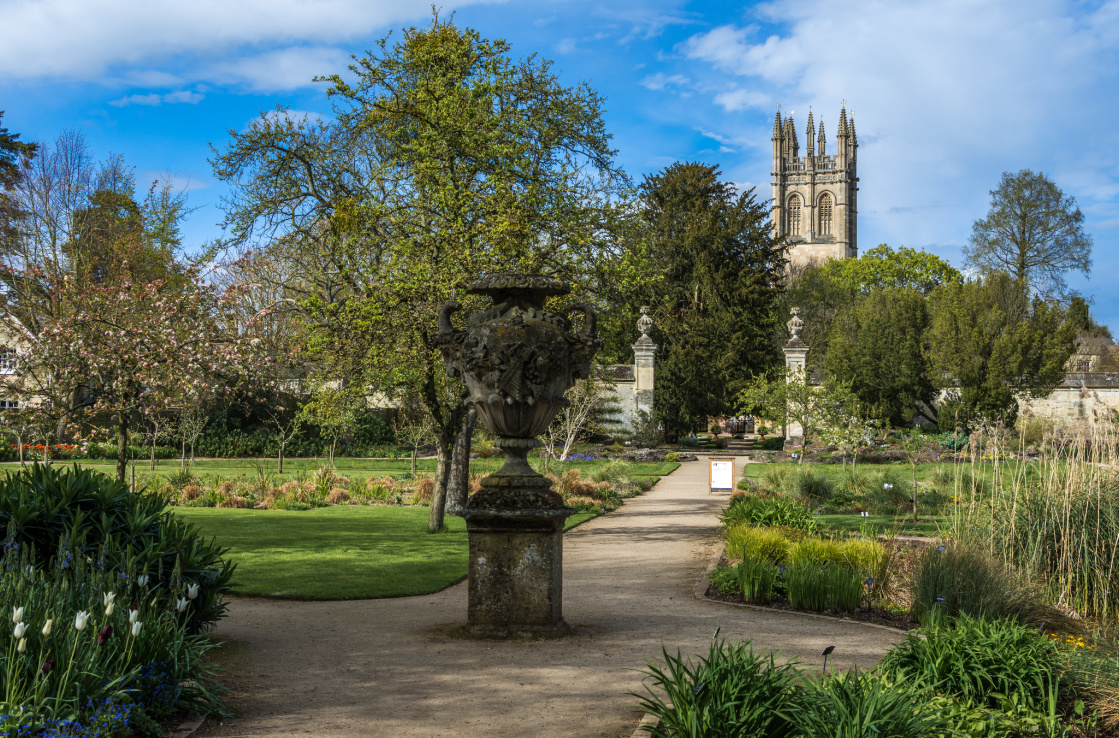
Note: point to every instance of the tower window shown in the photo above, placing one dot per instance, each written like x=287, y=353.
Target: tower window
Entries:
x=794, y=215
x=825, y=214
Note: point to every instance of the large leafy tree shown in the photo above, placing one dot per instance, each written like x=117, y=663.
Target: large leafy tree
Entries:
x=716, y=278
x=12, y=152
x=989, y=343
x=883, y=267
x=1033, y=232
x=878, y=346
x=444, y=159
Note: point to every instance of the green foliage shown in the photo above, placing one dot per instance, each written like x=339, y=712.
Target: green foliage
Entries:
x=973, y=583
x=714, y=295
x=745, y=541
x=809, y=484
x=732, y=692
x=979, y=662
x=133, y=533
x=877, y=345
x=806, y=586
x=1033, y=232
x=147, y=663
x=769, y=511
x=883, y=269
x=792, y=397
x=756, y=579
x=989, y=343
x=860, y=704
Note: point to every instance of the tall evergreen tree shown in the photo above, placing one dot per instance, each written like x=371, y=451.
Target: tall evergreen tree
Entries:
x=716, y=276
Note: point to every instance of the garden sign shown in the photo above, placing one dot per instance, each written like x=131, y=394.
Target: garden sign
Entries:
x=722, y=474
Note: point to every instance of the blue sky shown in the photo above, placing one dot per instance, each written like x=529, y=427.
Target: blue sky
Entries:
x=947, y=94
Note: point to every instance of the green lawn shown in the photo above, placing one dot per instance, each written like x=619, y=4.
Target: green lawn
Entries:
x=337, y=553
x=882, y=524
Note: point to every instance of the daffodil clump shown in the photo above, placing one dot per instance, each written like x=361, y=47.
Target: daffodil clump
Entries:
x=92, y=651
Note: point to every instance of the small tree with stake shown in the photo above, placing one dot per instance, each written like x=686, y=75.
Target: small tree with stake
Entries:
x=285, y=421
x=913, y=444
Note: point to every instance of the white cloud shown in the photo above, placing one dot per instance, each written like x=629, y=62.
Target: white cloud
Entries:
x=283, y=69
x=740, y=99
x=564, y=46
x=82, y=39
x=153, y=99
x=660, y=81
x=948, y=94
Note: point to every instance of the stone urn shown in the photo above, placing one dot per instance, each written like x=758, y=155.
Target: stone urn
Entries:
x=516, y=360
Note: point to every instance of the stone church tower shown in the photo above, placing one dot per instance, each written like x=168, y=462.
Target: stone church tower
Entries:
x=814, y=196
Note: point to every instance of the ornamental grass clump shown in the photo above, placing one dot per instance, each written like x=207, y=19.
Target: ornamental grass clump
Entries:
x=745, y=541
x=959, y=578
x=732, y=692
x=860, y=704
x=757, y=579
x=769, y=511
x=979, y=662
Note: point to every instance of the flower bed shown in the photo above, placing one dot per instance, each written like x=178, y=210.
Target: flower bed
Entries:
x=107, y=593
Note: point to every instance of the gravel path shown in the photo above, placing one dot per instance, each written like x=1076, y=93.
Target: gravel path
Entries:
x=388, y=667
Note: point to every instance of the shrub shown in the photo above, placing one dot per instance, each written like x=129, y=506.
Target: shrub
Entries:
x=980, y=662
x=338, y=495
x=972, y=582
x=747, y=542
x=95, y=516
x=190, y=492
x=770, y=511
x=858, y=704
x=732, y=692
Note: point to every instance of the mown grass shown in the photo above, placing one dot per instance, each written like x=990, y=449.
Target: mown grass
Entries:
x=883, y=523
x=338, y=553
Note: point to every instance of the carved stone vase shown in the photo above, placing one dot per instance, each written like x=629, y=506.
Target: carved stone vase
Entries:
x=516, y=360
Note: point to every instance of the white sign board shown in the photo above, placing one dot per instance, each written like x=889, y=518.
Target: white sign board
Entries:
x=722, y=473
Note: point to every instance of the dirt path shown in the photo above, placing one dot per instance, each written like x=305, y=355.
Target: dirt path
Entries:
x=387, y=667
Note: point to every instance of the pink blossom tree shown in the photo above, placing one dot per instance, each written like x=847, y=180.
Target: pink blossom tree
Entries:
x=130, y=350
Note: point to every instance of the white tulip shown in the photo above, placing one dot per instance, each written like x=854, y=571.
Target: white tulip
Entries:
x=136, y=629
x=142, y=580
x=109, y=609
x=192, y=591
x=22, y=645
x=80, y=620
x=132, y=615
x=47, y=627
x=17, y=614
x=182, y=604
x=109, y=598
x=20, y=629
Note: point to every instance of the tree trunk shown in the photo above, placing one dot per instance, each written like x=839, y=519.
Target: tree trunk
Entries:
x=192, y=452
x=459, y=477
x=182, y=462
x=151, y=466
x=914, y=493
x=435, y=514
x=414, y=449
x=122, y=446
x=803, y=445
x=281, y=471
x=19, y=440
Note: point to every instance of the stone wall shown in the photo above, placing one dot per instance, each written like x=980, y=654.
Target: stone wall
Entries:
x=1082, y=396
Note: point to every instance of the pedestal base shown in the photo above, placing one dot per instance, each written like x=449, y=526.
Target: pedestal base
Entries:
x=516, y=573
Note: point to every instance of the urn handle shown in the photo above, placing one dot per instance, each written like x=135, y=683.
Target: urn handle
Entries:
x=445, y=327
x=590, y=321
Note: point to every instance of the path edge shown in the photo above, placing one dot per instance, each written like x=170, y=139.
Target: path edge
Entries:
x=187, y=728
x=645, y=727
x=704, y=583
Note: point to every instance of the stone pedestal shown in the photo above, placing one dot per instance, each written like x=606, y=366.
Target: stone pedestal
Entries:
x=516, y=574
x=515, y=528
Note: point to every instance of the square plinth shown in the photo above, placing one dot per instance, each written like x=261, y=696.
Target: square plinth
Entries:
x=516, y=580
